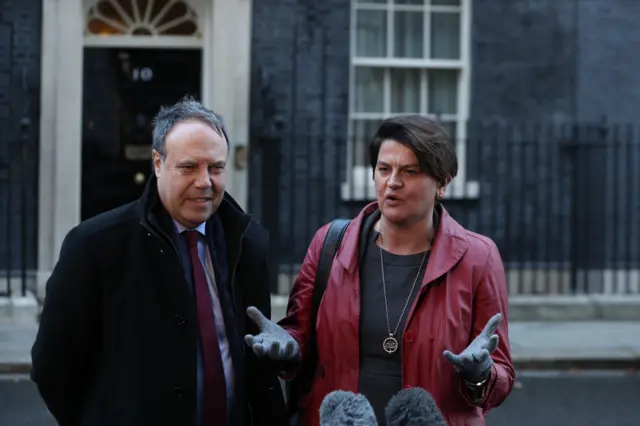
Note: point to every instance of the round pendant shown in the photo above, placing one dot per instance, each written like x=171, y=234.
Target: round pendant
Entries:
x=390, y=344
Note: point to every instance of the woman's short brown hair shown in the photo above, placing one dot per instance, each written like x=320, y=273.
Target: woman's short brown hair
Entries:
x=426, y=138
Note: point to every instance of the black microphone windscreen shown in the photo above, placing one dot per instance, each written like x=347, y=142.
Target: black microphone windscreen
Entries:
x=413, y=407
x=346, y=408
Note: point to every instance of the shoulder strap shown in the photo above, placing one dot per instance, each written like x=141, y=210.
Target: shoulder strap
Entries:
x=304, y=379
x=329, y=248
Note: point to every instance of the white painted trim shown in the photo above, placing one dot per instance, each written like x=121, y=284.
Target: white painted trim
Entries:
x=227, y=75
x=381, y=116
x=464, y=99
x=48, y=96
x=452, y=64
x=393, y=5
x=206, y=22
x=158, y=42
x=60, y=126
x=541, y=281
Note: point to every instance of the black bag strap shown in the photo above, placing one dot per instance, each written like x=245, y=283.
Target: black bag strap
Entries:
x=331, y=244
x=329, y=248
x=303, y=381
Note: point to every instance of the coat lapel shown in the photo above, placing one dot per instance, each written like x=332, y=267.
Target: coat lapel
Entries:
x=348, y=252
x=449, y=247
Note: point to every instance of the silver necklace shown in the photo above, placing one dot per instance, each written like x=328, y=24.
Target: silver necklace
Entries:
x=390, y=344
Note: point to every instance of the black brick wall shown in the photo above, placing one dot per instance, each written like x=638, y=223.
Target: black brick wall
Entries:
x=523, y=60
x=608, y=60
x=20, y=33
x=550, y=194
x=538, y=68
x=299, y=105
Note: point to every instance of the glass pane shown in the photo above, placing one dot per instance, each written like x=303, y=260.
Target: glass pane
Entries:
x=445, y=2
x=371, y=1
x=177, y=20
x=408, y=35
x=98, y=27
x=405, y=90
x=419, y=2
x=362, y=132
x=371, y=33
x=445, y=35
x=443, y=92
x=369, y=89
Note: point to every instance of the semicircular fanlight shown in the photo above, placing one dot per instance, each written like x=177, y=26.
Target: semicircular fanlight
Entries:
x=142, y=17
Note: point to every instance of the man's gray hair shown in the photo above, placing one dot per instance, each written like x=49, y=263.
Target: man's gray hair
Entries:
x=186, y=109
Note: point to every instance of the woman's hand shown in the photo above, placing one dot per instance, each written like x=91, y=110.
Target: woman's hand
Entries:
x=474, y=363
x=273, y=341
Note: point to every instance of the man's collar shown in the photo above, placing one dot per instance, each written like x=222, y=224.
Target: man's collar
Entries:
x=202, y=228
x=235, y=221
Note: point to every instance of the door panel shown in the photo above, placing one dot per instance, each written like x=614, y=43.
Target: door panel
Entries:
x=123, y=89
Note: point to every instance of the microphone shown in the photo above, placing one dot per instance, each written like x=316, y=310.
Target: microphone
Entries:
x=413, y=407
x=343, y=408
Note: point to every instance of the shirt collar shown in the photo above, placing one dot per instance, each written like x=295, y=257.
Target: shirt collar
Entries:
x=200, y=228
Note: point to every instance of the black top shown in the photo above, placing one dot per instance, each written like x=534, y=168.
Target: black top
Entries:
x=381, y=373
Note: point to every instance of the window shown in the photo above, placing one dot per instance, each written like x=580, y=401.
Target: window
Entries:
x=127, y=22
x=407, y=57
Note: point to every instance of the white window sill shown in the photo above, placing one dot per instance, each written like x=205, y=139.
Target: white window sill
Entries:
x=365, y=191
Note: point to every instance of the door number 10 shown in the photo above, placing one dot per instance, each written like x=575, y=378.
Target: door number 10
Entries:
x=144, y=74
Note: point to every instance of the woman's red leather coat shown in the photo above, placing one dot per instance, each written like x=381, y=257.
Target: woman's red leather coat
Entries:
x=463, y=287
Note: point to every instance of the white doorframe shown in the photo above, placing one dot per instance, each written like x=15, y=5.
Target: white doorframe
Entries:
x=60, y=129
x=227, y=81
x=226, y=43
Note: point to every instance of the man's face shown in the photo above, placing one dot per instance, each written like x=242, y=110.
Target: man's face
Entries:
x=192, y=177
x=405, y=194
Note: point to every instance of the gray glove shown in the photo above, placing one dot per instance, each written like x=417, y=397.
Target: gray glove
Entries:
x=474, y=363
x=273, y=341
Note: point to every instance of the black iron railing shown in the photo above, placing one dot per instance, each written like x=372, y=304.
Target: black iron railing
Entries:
x=562, y=202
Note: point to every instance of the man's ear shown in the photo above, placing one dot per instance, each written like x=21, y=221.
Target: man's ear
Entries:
x=157, y=162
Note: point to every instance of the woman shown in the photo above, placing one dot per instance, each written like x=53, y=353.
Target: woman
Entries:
x=413, y=298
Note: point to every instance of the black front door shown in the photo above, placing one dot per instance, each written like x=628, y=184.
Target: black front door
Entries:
x=123, y=89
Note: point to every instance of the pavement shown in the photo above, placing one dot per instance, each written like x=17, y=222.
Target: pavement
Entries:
x=534, y=345
x=550, y=399
x=567, y=373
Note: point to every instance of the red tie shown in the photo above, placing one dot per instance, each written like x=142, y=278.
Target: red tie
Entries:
x=215, y=393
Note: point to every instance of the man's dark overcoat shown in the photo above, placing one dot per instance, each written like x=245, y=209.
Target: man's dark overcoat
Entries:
x=118, y=335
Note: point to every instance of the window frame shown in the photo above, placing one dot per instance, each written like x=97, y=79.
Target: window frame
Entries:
x=358, y=185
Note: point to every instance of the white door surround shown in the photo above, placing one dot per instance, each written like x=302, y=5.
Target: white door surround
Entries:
x=224, y=35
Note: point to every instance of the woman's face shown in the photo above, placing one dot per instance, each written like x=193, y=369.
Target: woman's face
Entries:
x=405, y=194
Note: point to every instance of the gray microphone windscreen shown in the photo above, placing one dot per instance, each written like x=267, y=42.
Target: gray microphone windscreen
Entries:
x=341, y=408
x=413, y=407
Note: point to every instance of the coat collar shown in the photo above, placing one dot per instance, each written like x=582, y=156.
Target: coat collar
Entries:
x=448, y=248
x=234, y=219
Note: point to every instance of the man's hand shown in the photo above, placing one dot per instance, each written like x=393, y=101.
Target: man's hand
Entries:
x=474, y=363
x=273, y=341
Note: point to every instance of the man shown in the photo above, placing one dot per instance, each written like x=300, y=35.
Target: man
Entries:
x=145, y=309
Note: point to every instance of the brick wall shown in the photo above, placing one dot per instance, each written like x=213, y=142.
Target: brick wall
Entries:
x=537, y=67
x=20, y=32
x=299, y=86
